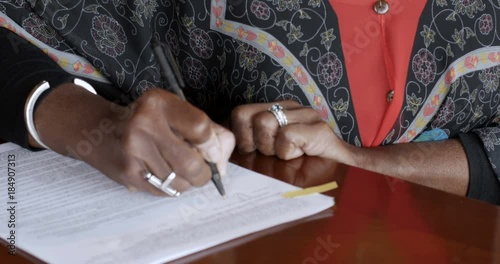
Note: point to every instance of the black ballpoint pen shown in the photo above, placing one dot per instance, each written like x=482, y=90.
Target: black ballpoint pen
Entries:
x=171, y=73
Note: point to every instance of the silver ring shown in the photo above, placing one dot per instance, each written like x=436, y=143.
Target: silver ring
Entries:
x=277, y=111
x=164, y=186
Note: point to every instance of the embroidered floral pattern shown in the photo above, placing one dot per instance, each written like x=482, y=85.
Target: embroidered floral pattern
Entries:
x=462, y=97
x=287, y=4
x=195, y=73
x=314, y=3
x=485, y=24
x=441, y=3
x=41, y=31
x=201, y=43
x=477, y=113
x=490, y=137
x=490, y=78
x=146, y=7
x=340, y=108
x=459, y=39
x=414, y=103
x=424, y=66
x=446, y=114
x=294, y=34
x=21, y=3
x=144, y=86
x=249, y=56
x=329, y=70
x=428, y=35
x=469, y=7
x=327, y=38
x=260, y=10
x=108, y=35
x=221, y=72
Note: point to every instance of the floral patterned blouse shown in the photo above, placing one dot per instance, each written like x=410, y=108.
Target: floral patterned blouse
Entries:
x=422, y=71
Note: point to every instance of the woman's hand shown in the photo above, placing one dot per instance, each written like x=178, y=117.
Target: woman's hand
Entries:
x=159, y=133
x=442, y=165
x=256, y=128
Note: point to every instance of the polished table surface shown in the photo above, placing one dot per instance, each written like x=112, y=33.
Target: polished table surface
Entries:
x=376, y=219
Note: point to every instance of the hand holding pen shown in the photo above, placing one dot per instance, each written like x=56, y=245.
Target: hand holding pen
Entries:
x=215, y=149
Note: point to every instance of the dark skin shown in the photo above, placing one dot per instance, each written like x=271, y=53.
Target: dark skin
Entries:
x=442, y=165
x=158, y=133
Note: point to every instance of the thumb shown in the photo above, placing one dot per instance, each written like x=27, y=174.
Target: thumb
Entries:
x=219, y=147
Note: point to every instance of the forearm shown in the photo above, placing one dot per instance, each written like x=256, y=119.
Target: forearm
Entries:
x=442, y=165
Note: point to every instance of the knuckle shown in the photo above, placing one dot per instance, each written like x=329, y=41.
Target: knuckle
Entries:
x=265, y=142
x=293, y=103
x=239, y=114
x=264, y=121
x=154, y=100
x=201, y=124
x=264, y=137
x=286, y=144
x=285, y=148
x=287, y=135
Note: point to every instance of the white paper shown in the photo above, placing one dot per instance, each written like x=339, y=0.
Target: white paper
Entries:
x=67, y=212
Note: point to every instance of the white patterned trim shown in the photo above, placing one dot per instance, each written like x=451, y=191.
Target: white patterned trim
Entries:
x=71, y=63
x=476, y=60
x=276, y=50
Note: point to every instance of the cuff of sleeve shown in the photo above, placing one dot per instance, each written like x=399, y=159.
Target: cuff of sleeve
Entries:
x=483, y=184
x=23, y=67
x=14, y=124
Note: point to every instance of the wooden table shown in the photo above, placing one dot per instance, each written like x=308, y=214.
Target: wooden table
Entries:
x=377, y=219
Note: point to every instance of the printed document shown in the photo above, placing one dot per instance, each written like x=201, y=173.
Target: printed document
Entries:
x=65, y=211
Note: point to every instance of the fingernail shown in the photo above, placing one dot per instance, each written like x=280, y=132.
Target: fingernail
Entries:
x=132, y=189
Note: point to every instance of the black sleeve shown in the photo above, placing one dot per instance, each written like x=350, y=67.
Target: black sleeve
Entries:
x=22, y=67
x=484, y=184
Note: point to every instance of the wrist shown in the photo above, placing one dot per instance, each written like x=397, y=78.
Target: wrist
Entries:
x=353, y=156
x=343, y=152
x=34, y=99
x=69, y=115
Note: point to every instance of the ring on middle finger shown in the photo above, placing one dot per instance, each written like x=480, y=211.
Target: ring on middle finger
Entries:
x=277, y=111
x=163, y=185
